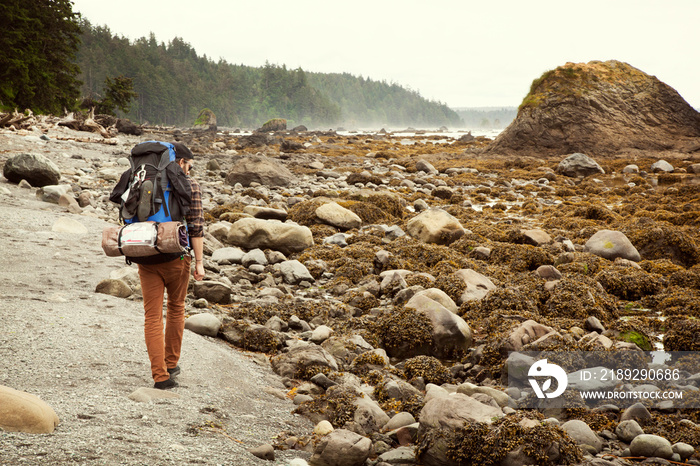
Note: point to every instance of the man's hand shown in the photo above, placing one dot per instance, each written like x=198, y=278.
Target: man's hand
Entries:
x=199, y=271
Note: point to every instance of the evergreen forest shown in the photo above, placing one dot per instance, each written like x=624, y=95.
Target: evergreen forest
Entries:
x=173, y=83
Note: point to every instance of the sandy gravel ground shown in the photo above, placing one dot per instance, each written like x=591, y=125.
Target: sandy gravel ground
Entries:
x=83, y=353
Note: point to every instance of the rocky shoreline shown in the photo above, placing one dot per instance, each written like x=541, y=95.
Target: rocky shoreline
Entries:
x=386, y=278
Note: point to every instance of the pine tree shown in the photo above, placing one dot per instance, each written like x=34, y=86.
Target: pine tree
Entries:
x=38, y=44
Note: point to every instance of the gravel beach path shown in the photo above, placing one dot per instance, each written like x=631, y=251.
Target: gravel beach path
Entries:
x=83, y=353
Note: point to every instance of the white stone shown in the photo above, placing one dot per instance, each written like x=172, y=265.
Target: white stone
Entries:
x=203, y=324
x=435, y=226
x=338, y=216
x=323, y=428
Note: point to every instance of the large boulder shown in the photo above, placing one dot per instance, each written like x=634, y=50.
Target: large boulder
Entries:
x=205, y=120
x=600, y=108
x=35, y=168
x=450, y=333
x=436, y=294
x=435, y=226
x=341, y=448
x=288, y=238
x=126, y=126
x=301, y=358
x=275, y=124
x=579, y=164
x=651, y=446
x=610, y=245
x=24, y=412
x=214, y=292
x=259, y=169
x=203, y=324
x=444, y=414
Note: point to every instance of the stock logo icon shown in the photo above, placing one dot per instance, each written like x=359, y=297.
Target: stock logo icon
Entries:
x=542, y=369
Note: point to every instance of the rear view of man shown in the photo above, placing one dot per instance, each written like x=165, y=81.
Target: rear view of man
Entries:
x=171, y=273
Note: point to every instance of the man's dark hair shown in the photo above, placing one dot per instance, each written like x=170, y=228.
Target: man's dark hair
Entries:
x=182, y=152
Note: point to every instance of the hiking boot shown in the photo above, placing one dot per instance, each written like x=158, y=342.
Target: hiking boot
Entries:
x=144, y=209
x=174, y=371
x=165, y=384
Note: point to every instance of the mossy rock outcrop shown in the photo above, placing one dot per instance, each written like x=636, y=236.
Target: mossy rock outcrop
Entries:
x=599, y=108
x=206, y=119
x=275, y=124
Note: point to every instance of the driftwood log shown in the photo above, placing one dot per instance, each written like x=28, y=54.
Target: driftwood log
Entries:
x=85, y=123
x=16, y=119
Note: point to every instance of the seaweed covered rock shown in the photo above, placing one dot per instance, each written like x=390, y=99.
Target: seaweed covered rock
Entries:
x=683, y=335
x=344, y=406
x=369, y=361
x=520, y=257
x=346, y=348
x=303, y=361
x=405, y=332
x=599, y=108
x=578, y=298
x=512, y=440
x=663, y=241
x=450, y=334
x=629, y=283
x=678, y=301
x=428, y=367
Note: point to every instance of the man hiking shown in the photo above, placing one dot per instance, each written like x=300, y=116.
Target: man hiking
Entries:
x=171, y=272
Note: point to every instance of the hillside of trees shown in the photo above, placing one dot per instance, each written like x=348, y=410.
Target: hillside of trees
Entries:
x=38, y=43
x=174, y=83
x=368, y=103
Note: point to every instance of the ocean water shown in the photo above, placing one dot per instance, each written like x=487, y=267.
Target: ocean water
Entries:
x=447, y=136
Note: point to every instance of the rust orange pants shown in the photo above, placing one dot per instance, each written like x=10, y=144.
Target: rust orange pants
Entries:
x=164, y=347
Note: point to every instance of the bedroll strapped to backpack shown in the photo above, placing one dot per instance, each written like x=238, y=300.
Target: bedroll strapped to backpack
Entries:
x=154, y=188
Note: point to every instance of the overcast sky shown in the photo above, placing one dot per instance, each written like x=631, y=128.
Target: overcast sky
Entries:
x=462, y=53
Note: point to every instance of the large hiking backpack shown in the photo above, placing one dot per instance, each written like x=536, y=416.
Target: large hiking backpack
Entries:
x=154, y=188
x=153, y=196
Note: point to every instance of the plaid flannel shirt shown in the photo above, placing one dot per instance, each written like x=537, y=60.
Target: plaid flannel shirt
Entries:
x=195, y=217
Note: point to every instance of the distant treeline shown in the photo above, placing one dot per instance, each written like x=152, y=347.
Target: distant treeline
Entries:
x=368, y=103
x=174, y=83
x=496, y=118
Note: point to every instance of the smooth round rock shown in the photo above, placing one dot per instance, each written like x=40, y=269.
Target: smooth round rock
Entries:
x=24, y=412
x=651, y=446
